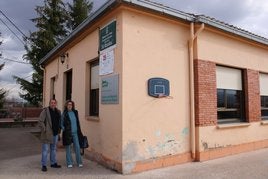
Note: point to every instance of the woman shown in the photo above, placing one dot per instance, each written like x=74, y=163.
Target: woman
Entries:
x=71, y=133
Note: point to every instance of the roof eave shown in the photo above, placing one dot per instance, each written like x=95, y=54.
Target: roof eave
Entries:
x=98, y=13
x=111, y=3
x=231, y=29
x=162, y=9
x=157, y=8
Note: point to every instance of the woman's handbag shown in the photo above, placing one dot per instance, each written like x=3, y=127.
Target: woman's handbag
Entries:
x=84, y=144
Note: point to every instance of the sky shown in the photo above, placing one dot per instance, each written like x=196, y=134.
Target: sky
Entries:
x=246, y=14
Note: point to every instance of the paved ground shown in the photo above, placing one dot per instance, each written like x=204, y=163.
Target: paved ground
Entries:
x=20, y=158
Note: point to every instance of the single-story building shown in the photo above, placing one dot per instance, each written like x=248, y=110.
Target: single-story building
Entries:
x=157, y=87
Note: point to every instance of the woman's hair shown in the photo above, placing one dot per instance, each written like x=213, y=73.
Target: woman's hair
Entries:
x=66, y=104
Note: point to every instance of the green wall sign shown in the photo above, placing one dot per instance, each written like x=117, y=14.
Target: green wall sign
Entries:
x=108, y=36
x=109, y=90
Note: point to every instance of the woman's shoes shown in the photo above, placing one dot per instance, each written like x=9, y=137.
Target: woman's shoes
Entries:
x=71, y=166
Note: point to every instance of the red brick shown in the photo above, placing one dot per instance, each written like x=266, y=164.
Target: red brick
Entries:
x=252, y=95
x=205, y=93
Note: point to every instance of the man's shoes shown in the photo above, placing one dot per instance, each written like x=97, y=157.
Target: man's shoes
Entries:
x=80, y=165
x=55, y=165
x=44, y=168
x=70, y=166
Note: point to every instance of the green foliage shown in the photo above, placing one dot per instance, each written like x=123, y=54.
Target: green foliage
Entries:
x=3, y=93
x=1, y=66
x=0, y=41
x=78, y=12
x=51, y=23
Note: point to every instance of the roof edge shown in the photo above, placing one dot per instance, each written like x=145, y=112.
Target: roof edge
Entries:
x=230, y=28
x=80, y=27
x=162, y=8
x=158, y=8
x=141, y=3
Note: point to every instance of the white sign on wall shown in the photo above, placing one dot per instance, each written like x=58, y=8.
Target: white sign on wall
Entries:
x=106, y=62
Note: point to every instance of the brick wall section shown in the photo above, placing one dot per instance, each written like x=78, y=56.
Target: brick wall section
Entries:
x=205, y=93
x=252, y=95
x=26, y=112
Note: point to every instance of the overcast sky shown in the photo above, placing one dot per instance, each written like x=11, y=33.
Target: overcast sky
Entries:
x=246, y=14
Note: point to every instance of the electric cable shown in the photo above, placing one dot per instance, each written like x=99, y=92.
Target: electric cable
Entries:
x=12, y=32
x=7, y=59
x=13, y=24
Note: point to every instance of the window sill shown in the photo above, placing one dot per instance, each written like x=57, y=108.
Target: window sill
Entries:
x=265, y=122
x=233, y=125
x=93, y=118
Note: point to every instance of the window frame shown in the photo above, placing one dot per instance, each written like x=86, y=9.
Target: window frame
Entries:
x=263, y=77
x=52, y=88
x=240, y=109
x=68, y=84
x=93, y=102
x=264, y=107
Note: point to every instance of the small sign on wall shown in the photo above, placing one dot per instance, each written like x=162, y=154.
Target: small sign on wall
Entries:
x=109, y=90
x=106, y=62
x=108, y=36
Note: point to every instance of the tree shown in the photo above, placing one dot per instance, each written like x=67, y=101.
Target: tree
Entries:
x=78, y=12
x=3, y=95
x=3, y=92
x=0, y=52
x=50, y=24
x=51, y=29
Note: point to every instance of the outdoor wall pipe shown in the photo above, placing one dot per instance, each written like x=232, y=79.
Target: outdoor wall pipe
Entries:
x=44, y=82
x=193, y=36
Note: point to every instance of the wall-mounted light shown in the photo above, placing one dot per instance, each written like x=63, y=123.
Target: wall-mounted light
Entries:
x=63, y=56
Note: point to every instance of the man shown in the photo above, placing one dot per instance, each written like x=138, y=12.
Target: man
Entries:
x=49, y=122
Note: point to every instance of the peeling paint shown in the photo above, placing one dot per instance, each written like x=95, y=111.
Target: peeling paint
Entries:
x=206, y=146
x=151, y=151
x=128, y=167
x=169, y=146
x=158, y=133
x=131, y=156
x=185, y=131
x=130, y=153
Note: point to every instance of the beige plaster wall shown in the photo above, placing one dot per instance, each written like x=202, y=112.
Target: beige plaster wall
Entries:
x=231, y=52
x=105, y=132
x=225, y=50
x=51, y=71
x=154, y=127
x=212, y=137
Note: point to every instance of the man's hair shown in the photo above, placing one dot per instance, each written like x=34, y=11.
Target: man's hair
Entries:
x=52, y=100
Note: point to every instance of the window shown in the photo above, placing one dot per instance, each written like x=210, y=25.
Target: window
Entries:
x=68, y=88
x=264, y=107
x=94, y=89
x=230, y=96
x=52, y=88
x=264, y=95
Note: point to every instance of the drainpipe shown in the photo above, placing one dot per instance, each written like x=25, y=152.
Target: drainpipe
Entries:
x=44, y=82
x=193, y=36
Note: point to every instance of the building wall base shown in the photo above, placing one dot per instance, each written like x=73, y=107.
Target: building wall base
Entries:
x=231, y=150
x=171, y=160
